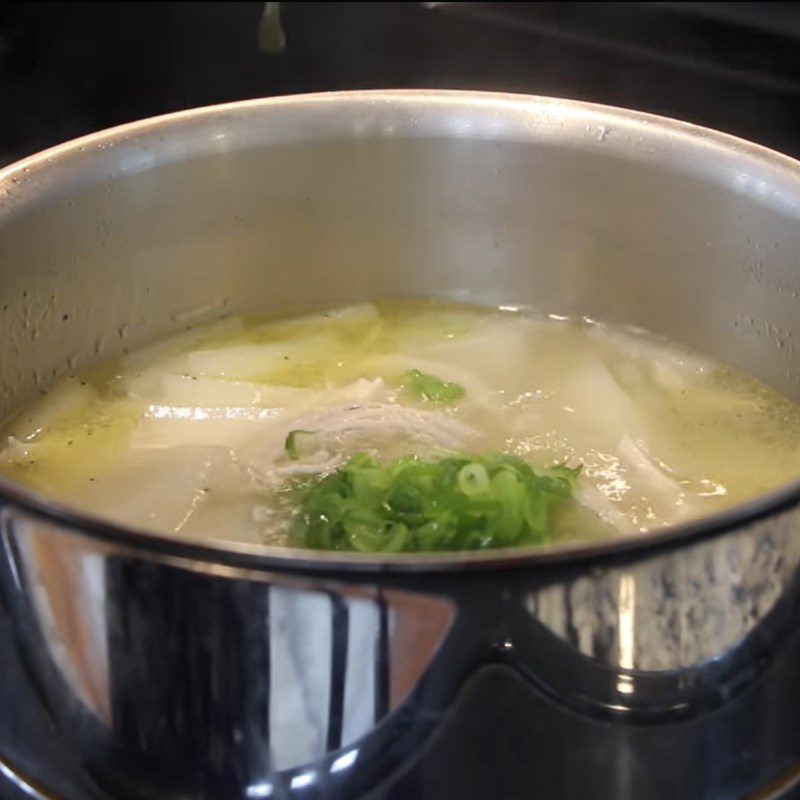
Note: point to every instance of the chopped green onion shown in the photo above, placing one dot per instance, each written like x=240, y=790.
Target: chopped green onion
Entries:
x=430, y=388
x=291, y=445
x=457, y=502
x=473, y=479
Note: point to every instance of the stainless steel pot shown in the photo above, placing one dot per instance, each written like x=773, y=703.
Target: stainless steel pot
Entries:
x=204, y=669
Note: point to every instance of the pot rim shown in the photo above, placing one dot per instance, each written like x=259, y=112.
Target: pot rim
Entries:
x=283, y=558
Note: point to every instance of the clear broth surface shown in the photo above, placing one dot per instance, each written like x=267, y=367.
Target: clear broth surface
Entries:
x=186, y=436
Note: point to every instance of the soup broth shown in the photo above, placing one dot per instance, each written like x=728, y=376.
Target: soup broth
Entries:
x=222, y=430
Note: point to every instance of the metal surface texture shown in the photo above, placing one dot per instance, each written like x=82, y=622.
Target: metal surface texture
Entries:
x=198, y=668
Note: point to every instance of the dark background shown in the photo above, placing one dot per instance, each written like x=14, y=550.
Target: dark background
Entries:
x=67, y=69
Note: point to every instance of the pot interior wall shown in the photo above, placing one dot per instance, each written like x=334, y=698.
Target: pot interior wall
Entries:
x=106, y=249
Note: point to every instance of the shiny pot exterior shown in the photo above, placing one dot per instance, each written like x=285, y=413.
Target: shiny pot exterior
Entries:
x=663, y=666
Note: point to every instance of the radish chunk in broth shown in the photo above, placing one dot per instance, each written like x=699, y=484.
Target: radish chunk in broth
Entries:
x=404, y=427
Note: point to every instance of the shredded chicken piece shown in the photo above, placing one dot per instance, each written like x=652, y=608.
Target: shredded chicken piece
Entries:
x=380, y=429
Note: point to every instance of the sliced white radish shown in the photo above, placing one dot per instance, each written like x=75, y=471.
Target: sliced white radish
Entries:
x=179, y=343
x=244, y=361
x=178, y=426
x=66, y=397
x=189, y=390
x=159, y=491
x=597, y=402
x=359, y=312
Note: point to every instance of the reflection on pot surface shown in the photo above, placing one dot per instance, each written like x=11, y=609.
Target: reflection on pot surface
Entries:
x=232, y=673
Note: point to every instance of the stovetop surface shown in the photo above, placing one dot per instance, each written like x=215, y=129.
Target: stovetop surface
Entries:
x=69, y=69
